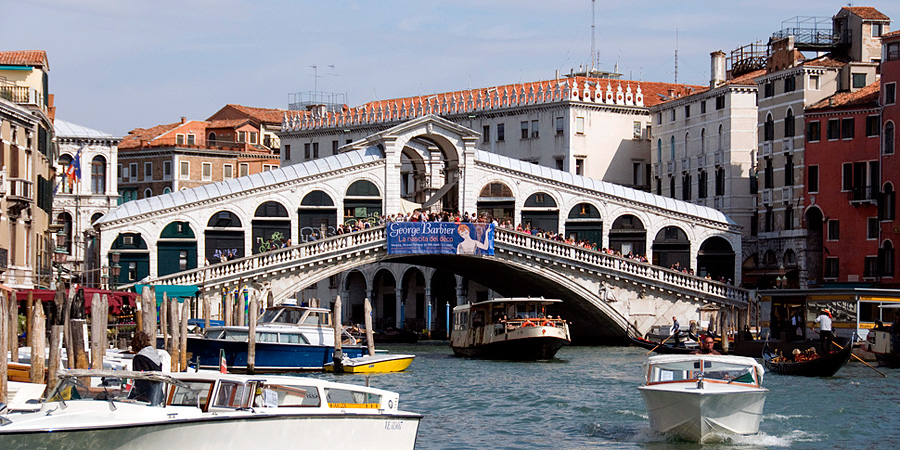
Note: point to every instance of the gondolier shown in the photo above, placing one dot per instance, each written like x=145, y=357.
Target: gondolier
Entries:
x=825, y=333
x=675, y=331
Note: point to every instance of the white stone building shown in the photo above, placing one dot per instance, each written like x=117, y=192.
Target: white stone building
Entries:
x=78, y=202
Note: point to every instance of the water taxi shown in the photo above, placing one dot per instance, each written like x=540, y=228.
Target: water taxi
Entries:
x=693, y=396
x=508, y=328
x=288, y=338
x=209, y=410
x=377, y=363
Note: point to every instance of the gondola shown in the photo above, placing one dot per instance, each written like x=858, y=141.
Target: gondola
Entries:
x=664, y=348
x=823, y=366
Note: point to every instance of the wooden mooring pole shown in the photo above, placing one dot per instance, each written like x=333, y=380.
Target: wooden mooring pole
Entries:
x=370, y=335
x=12, y=323
x=182, y=333
x=338, y=355
x=38, y=339
x=251, y=337
x=164, y=322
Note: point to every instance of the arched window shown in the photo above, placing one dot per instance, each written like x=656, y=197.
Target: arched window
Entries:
x=148, y=193
x=687, y=139
x=167, y=190
x=62, y=170
x=721, y=137
x=886, y=205
x=769, y=128
x=886, y=259
x=888, y=138
x=659, y=151
x=789, y=123
x=98, y=175
x=211, y=138
x=672, y=148
x=703, y=141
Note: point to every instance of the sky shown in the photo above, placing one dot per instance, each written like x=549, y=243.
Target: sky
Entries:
x=118, y=65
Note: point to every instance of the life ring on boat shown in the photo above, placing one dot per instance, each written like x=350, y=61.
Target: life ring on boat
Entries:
x=528, y=323
x=546, y=323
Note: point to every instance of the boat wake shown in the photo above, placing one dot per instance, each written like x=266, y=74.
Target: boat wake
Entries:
x=784, y=416
x=630, y=412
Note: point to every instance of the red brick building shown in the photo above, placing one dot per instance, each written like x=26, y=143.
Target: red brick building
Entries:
x=890, y=167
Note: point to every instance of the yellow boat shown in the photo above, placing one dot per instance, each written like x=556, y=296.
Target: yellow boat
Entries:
x=374, y=364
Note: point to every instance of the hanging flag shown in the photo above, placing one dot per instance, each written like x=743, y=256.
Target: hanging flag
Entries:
x=223, y=365
x=73, y=171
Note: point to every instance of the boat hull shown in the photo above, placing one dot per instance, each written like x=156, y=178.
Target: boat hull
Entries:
x=694, y=415
x=521, y=349
x=253, y=431
x=823, y=366
x=375, y=364
x=270, y=357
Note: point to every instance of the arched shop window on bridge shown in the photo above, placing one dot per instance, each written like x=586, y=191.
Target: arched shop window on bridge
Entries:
x=540, y=211
x=585, y=224
x=316, y=217
x=224, y=237
x=628, y=235
x=176, y=249
x=271, y=227
x=362, y=203
x=496, y=200
x=134, y=258
x=716, y=259
x=64, y=241
x=672, y=246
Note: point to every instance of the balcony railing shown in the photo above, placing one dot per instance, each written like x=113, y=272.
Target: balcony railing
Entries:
x=863, y=194
x=200, y=142
x=22, y=95
x=20, y=189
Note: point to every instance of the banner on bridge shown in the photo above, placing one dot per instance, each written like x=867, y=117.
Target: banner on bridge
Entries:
x=446, y=238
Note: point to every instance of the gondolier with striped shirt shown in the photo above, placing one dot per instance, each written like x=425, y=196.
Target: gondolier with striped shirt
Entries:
x=825, y=333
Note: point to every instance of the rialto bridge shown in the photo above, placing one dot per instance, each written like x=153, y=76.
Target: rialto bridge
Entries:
x=274, y=232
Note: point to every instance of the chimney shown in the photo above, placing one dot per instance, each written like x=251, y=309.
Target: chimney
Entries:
x=671, y=93
x=183, y=119
x=716, y=68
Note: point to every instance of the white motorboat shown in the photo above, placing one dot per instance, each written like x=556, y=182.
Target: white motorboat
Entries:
x=508, y=328
x=209, y=410
x=692, y=396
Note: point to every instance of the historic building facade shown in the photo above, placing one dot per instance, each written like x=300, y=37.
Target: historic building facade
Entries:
x=27, y=156
x=85, y=190
x=190, y=153
x=704, y=145
x=791, y=83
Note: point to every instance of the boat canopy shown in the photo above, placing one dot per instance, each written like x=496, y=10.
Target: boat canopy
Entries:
x=171, y=291
x=496, y=301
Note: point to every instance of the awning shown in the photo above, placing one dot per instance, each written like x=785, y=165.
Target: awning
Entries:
x=171, y=291
x=116, y=298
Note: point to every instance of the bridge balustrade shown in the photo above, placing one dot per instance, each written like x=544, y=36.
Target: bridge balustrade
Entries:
x=375, y=238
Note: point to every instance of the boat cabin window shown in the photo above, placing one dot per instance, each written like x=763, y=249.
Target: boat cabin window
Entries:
x=213, y=334
x=231, y=394
x=292, y=338
x=235, y=335
x=461, y=320
x=192, y=393
x=316, y=318
x=343, y=398
x=266, y=337
x=524, y=311
x=286, y=315
x=709, y=370
x=294, y=396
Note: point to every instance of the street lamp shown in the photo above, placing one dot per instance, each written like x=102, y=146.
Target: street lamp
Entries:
x=104, y=276
x=116, y=268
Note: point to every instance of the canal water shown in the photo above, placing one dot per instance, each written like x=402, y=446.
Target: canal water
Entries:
x=587, y=398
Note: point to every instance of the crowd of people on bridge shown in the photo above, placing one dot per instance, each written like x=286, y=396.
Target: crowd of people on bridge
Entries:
x=355, y=225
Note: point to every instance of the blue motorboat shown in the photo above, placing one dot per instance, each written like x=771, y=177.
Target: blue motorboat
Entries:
x=288, y=338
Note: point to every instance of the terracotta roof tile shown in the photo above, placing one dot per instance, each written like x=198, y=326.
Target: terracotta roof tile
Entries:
x=892, y=34
x=866, y=12
x=824, y=61
x=865, y=96
x=24, y=58
x=137, y=135
x=262, y=115
x=226, y=123
x=747, y=78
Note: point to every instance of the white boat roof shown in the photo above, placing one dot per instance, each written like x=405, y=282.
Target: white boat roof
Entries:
x=635, y=195
x=729, y=359
x=211, y=191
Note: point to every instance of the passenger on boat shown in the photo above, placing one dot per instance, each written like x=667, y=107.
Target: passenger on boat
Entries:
x=706, y=347
x=694, y=330
x=146, y=359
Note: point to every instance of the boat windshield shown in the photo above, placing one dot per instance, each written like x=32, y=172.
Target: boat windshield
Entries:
x=709, y=370
x=281, y=315
x=109, y=389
